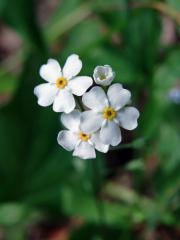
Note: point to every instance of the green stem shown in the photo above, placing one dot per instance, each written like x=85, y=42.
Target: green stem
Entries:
x=79, y=104
x=96, y=188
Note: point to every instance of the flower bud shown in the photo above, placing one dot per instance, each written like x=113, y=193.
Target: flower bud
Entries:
x=103, y=75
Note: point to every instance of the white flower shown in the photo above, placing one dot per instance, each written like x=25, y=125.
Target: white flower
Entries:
x=62, y=84
x=103, y=75
x=107, y=113
x=83, y=145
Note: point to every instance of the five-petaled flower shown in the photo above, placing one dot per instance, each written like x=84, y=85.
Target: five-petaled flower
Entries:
x=96, y=128
x=108, y=112
x=74, y=139
x=62, y=84
x=103, y=75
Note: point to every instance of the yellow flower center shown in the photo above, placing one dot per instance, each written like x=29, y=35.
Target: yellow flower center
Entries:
x=109, y=113
x=61, y=82
x=102, y=77
x=84, y=137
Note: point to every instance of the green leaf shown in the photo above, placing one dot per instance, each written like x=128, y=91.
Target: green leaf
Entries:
x=114, y=13
x=174, y=4
x=166, y=76
x=85, y=37
x=28, y=157
x=8, y=82
x=141, y=40
x=67, y=15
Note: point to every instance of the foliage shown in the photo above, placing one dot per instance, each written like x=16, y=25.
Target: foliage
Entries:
x=39, y=178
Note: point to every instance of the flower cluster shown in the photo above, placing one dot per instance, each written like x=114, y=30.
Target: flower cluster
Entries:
x=97, y=126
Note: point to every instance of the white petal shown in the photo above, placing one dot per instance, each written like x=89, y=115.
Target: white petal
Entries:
x=84, y=150
x=64, y=102
x=90, y=121
x=67, y=139
x=118, y=96
x=95, y=99
x=98, y=143
x=72, y=66
x=50, y=71
x=79, y=85
x=110, y=133
x=45, y=93
x=128, y=117
x=71, y=120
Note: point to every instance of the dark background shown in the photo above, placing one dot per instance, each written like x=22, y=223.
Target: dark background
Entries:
x=130, y=193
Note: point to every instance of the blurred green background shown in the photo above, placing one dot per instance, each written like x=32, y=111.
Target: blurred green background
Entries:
x=129, y=193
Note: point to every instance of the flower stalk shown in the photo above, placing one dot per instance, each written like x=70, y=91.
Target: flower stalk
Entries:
x=97, y=183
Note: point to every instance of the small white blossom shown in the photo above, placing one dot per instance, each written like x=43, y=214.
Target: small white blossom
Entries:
x=62, y=84
x=108, y=112
x=103, y=75
x=83, y=145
